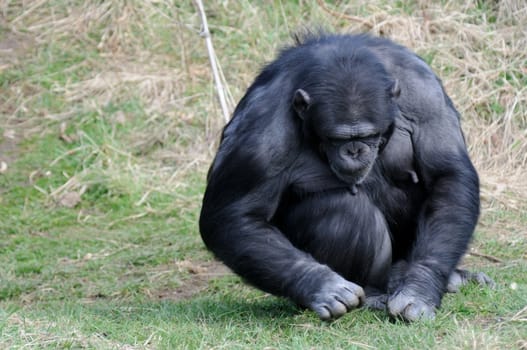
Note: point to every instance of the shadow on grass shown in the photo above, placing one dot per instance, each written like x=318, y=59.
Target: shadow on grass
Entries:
x=205, y=308
x=217, y=309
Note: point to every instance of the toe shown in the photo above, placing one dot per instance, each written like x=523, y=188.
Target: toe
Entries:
x=420, y=311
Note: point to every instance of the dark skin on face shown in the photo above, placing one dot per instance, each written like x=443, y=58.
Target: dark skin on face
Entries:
x=350, y=148
x=343, y=179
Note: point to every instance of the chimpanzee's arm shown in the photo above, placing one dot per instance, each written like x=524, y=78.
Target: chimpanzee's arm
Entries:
x=245, y=185
x=450, y=212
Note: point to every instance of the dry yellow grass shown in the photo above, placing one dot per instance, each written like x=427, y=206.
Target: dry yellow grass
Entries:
x=473, y=55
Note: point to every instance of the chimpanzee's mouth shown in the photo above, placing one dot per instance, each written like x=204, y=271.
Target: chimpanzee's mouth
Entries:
x=353, y=178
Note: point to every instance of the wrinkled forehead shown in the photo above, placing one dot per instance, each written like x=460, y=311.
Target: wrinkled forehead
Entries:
x=346, y=130
x=353, y=115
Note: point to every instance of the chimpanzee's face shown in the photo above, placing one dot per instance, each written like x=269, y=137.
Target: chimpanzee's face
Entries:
x=349, y=128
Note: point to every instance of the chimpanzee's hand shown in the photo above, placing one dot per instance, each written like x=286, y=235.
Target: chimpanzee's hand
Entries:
x=335, y=297
x=410, y=305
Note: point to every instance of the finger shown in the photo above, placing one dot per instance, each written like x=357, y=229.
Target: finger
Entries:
x=397, y=304
x=322, y=312
x=357, y=291
x=349, y=300
x=337, y=308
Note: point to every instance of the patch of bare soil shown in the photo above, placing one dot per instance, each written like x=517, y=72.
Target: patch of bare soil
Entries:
x=8, y=143
x=199, y=276
x=12, y=47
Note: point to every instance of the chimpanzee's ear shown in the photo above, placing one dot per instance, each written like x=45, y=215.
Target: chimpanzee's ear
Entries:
x=395, y=89
x=301, y=102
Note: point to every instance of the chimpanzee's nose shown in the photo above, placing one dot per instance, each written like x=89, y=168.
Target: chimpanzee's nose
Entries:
x=352, y=150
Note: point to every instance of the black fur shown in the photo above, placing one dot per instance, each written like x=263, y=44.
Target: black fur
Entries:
x=344, y=165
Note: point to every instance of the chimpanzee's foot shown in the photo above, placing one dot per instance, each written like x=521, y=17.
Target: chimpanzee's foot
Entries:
x=460, y=277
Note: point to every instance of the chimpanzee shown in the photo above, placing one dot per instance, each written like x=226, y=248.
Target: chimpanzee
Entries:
x=343, y=179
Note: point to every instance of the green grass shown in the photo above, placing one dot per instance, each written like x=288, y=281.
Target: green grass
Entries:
x=113, y=101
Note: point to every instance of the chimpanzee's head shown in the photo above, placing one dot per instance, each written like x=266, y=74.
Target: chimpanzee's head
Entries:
x=349, y=111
